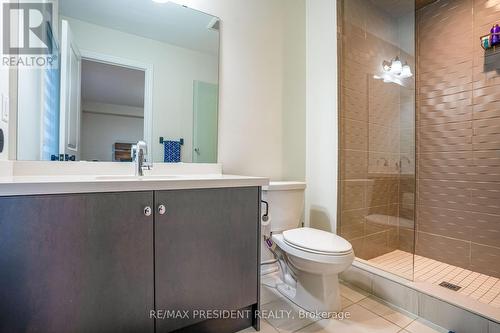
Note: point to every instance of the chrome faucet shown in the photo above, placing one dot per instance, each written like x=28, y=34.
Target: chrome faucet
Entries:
x=139, y=151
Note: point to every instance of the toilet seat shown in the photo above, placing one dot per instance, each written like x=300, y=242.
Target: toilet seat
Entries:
x=317, y=241
x=323, y=258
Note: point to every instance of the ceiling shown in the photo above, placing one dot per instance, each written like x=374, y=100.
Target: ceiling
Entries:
x=422, y=3
x=104, y=83
x=396, y=8
x=169, y=22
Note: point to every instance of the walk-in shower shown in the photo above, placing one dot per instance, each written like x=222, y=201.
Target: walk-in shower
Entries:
x=419, y=101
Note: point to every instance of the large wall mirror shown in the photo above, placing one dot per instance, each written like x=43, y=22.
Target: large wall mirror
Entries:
x=129, y=70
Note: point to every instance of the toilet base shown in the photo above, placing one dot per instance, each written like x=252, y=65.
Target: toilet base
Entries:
x=287, y=291
x=315, y=293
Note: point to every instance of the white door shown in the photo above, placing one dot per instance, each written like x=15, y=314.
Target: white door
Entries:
x=70, y=115
x=205, y=104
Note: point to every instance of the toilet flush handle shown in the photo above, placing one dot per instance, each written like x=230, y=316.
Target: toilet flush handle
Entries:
x=265, y=217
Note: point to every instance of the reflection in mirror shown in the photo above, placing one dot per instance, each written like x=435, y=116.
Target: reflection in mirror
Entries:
x=128, y=71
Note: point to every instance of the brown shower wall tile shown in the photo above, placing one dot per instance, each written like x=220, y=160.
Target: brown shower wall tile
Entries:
x=485, y=197
x=355, y=134
x=354, y=13
x=443, y=193
x=452, y=251
x=485, y=229
x=485, y=259
x=407, y=111
x=446, y=165
x=407, y=143
x=480, y=166
x=407, y=240
x=487, y=101
x=444, y=14
x=373, y=245
x=486, y=166
x=354, y=164
x=447, y=137
x=463, y=225
x=486, y=134
x=383, y=139
x=382, y=192
x=485, y=12
x=445, y=109
x=352, y=195
x=381, y=217
x=384, y=113
x=441, y=81
x=353, y=223
x=444, y=222
x=383, y=163
x=356, y=77
x=458, y=121
x=353, y=52
x=381, y=92
x=354, y=105
x=407, y=197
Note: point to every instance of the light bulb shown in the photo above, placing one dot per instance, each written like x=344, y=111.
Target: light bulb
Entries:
x=386, y=66
x=396, y=66
x=406, y=72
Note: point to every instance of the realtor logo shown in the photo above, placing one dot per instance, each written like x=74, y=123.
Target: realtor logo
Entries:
x=27, y=34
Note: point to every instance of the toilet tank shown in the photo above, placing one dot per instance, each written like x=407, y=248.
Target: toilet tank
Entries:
x=286, y=204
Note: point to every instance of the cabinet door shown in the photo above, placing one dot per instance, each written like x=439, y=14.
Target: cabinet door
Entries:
x=206, y=252
x=76, y=263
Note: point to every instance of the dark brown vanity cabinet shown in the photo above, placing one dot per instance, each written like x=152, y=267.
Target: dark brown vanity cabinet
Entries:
x=76, y=263
x=206, y=254
x=101, y=262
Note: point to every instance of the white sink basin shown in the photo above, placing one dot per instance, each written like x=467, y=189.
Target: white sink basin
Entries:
x=133, y=177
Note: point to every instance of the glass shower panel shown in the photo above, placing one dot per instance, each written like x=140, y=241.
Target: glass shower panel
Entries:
x=377, y=132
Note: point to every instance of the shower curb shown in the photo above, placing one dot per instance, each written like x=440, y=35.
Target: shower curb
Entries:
x=422, y=300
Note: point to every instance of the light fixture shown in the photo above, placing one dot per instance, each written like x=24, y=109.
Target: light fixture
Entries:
x=394, y=71
x=161, y=1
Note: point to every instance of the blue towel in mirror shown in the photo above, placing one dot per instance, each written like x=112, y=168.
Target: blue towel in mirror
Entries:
x=172, y=151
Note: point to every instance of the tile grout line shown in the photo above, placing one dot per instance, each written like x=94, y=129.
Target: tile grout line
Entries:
x=386, y=304
x=486, y=289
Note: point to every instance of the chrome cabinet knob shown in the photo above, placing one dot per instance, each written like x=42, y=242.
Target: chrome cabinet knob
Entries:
x=147, y=211
x=162, y=209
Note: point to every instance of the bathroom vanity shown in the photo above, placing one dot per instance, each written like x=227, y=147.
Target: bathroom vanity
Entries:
x=87, y=246
x=80, y=256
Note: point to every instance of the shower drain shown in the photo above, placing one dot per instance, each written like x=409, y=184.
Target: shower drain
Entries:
x=450, y=286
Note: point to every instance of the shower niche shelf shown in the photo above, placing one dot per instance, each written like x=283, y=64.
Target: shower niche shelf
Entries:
x=495, y=49
x=492, y=51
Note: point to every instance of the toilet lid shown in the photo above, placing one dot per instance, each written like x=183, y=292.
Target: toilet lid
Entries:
x=317, y=240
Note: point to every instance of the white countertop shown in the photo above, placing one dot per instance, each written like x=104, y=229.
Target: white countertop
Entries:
x=24, y=179
x=29, y=185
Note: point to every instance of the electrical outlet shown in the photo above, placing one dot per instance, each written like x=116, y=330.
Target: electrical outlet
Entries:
x=5, y=108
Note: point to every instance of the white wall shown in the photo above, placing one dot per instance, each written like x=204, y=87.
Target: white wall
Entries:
x=254, y=82
x=175, y=69
x=322, y=130
x=294, y=92
x=4, y=91
x=29, y=114
x=105, y=124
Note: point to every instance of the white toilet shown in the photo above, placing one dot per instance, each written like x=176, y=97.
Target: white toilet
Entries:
x=310, y=260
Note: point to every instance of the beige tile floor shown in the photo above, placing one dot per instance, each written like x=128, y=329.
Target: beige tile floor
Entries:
x=367, y=314
x=484, y=288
